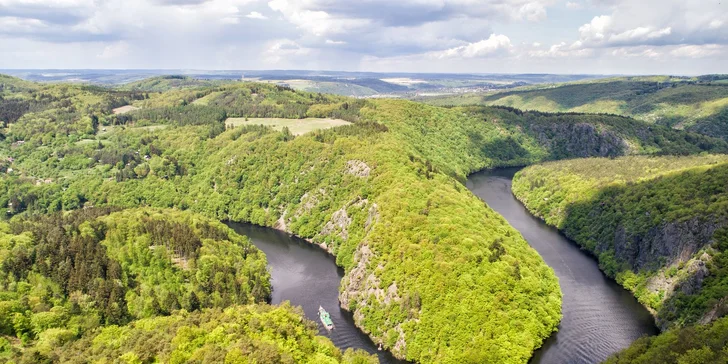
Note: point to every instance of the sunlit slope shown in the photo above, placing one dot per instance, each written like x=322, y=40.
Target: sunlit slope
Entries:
x=699, y=104
x=431, y=272
x=694, y=344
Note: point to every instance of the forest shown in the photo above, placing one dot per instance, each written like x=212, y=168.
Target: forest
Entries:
x=432, y=273
x=696, y=104
x=144, y=285
x=658, y=225
x=65, y=275
x=691, y=345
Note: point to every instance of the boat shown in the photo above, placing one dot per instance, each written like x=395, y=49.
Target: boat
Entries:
x=325, y=319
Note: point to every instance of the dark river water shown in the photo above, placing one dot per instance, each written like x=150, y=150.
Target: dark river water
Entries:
x=308, y=276
x=599, y=316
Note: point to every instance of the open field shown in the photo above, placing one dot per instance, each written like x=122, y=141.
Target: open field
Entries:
x=296, y=126
x=125, y=109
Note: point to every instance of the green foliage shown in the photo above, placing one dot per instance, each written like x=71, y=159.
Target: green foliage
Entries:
x=694, y=104
x=656, y=224
x=238, y=334
x=62, y=275
x=171, y=82
x=692, y=345
x=453, y=281
x=715, y=125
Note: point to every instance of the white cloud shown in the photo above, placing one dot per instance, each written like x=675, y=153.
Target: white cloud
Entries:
x=15, y=24
x=283, y=50
x=657, y=23
x=603, y=31
x=495, y=44
x=596, y=29
x=46, y=3
x=532, y=11
x=316, y=22
x=639, y=34
x=562, y=50
x=716, y=24
x=689, y=35
x=634, y=52
x=698, y=51
x=256, y=15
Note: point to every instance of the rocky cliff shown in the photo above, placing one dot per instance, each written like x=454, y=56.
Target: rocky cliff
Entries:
x=657, y=225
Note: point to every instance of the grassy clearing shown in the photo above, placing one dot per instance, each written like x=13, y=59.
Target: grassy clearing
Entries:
x=203, y=101
x=125, y=109
x=296, y=126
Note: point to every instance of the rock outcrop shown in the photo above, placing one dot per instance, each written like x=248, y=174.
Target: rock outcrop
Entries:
x=579, y=140
x=664, y=245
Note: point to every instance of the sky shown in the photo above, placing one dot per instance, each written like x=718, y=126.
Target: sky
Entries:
x=679, y=37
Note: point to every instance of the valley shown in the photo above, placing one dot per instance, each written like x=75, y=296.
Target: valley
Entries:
x=698, y=104
x=429, y=272
x=595, y=308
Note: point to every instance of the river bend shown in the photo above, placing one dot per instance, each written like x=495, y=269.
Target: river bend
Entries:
x=599, y=316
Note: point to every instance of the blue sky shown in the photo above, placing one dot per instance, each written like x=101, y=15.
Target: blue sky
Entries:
x=514, y=36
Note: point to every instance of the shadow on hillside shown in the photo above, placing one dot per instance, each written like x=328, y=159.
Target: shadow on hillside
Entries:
x=663, y=222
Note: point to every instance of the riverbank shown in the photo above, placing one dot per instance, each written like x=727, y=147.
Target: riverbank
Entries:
x=657, y=225
x=599, y=317
x=306, y=274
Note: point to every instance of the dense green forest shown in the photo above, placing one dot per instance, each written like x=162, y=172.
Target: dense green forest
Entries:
x=658, y=225
x=690, y=345
x=431, y=272
x=697, y=104
x=144, y=285
x=170, y=82
x=237, y=334
x=65, y=275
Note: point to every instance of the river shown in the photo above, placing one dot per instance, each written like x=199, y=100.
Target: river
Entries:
x=307, y=276
x=599, y=316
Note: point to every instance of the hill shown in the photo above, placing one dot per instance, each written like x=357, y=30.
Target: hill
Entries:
x=383, y=195
x=235, y=334
x=170, y=82
x=658, y=225
x=64, y=275
x=697, y=104
x=694, y=344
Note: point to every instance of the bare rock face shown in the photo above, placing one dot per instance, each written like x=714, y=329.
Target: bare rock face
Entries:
x=671, y=246
x=358, y=168
x=340, y=222
x=358, y=280
x=579, y=140
x=372, y=217
x=719, y=310
x=362, y=288
x=666, y=244
x=697, y=271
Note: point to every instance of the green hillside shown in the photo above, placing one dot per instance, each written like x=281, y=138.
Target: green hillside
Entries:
x=695, y=344
x=658, y=225
x=238, y=334
x=64, y=275
x=167, y=83
x=384, y=195
x=697, y=104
